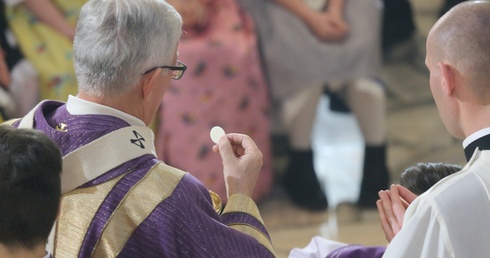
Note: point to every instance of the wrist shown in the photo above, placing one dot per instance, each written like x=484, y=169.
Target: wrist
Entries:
x=336, y=13
x=234, y=186
x=336, y=8
x=237, y=191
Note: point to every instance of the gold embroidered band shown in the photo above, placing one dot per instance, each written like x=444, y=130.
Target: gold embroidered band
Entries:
x=242, y=203
x=255, y=233
x=73, y=221
x=157, y=185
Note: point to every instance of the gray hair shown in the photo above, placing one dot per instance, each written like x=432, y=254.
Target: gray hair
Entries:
x=118, y=40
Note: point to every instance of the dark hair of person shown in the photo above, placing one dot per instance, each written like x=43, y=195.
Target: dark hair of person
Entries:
x=422, y=176
x=30, y=186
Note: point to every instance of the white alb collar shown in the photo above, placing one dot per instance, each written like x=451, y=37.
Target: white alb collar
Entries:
x=475, y=135
x=78, y=106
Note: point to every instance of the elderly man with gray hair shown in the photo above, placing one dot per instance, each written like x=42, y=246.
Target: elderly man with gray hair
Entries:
x=118, y=198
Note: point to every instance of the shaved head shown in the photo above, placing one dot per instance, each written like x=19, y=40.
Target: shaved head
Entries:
x=461, y=38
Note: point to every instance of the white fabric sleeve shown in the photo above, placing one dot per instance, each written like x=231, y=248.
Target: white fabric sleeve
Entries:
x=422, y=234
x=318, y=247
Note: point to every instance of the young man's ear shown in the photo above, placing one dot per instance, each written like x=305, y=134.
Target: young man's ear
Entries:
x=448, y=77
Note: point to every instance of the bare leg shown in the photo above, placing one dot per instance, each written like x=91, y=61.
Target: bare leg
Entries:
x=298, y=113
x=300, y=181
x=367, y=100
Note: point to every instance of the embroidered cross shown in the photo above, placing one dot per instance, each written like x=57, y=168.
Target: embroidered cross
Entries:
x=139, y=140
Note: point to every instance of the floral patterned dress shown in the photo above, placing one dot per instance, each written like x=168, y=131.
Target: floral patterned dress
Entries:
x=223, y=85
x=50, y=52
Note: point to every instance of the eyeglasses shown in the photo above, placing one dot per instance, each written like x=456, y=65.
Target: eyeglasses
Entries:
x=177, y=71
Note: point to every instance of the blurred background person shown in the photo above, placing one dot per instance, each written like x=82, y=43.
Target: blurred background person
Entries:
x=44, y=30
x=398, y=29
x=19, y=80
x=6, y=101
x=224, y=86
x=306, y=46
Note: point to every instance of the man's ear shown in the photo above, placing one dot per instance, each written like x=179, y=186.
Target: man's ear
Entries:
x=149, y=83
x=448, y=77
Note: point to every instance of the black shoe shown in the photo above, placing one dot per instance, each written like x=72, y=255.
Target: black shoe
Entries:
x=375, y=177
x=301, y=183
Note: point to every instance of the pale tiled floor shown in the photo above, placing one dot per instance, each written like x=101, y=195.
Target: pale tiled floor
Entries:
x=415, y=133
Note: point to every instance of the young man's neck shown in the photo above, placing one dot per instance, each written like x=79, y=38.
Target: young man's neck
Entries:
x=38, y=251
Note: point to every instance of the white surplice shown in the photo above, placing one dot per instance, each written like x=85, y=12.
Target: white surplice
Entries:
x=451, y=219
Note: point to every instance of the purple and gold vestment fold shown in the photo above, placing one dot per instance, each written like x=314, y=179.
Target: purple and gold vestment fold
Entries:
x=143, y=207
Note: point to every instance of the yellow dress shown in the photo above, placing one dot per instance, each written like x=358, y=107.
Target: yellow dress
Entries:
x=48, y=50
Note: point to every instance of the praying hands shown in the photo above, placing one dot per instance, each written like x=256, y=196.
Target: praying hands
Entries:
x=392, y=206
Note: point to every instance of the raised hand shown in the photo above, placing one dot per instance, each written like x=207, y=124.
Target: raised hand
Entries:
x=242, y=161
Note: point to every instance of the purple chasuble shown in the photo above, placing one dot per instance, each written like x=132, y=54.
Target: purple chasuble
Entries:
x=178, y=218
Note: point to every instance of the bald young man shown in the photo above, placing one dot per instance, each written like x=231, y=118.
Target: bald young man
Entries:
x=451, y=218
